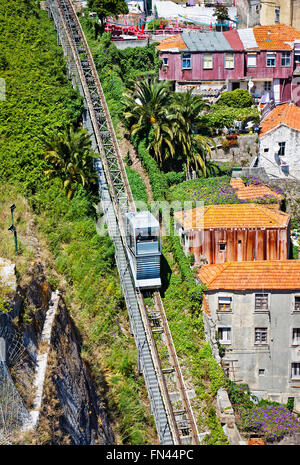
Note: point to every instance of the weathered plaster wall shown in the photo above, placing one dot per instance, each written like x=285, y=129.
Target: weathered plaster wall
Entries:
x=247, y=357
x=242, y=154
x=268, y=153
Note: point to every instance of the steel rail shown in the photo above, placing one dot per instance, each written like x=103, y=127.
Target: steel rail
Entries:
x=175, y=363
x=104, y=105
x=160, y=374
x=126, y=196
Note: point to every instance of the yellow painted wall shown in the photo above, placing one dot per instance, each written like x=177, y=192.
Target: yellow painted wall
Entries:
x=289, y=12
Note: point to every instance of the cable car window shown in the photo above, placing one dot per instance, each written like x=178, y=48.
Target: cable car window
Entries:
x=147, y=240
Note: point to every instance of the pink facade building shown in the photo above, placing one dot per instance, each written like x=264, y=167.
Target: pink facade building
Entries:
x=265, y=60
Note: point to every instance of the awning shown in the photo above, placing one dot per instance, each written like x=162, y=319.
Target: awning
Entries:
x=262, y=79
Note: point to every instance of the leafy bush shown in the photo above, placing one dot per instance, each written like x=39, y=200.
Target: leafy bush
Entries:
x=137, y=185
x=172, y=177
x=218, y=117
x=157, y=180
x=238, y=98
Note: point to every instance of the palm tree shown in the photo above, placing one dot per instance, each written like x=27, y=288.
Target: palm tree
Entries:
x=147, y=115
x=195, y=148
x=198, y=157
x=69, y=152
x=190, y=107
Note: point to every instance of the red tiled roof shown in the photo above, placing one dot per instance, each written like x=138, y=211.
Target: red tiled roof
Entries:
x=172, y=42
x=250, y=215
x=287, y=114
x=234, y=40
x=275, y=37
x=260, y=274
x=253, y=191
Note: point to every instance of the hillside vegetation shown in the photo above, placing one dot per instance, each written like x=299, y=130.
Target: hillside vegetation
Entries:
x=39, y=97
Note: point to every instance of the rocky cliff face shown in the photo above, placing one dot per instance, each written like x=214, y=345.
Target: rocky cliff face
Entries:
x=72, y=412
x=78, y=414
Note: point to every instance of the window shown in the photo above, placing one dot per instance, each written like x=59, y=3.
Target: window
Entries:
x=222, y=246
x=281, y=151
x=261, y=301
x=186, y=60
x=261, y=372
x=277, y=15
x=296, y=336
x=251, y=60
x=267, y=86
x=224, y=335
x=266, y=150
x=286, y=59
x=261, y=335
x=207, y=61
x=297, y=56
x=166, y=61
x=229, y=60
x=224, y=304
x=297, y=303
x=295, y=372
x=271, y=60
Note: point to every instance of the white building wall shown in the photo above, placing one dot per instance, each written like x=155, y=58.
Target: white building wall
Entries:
x=268, y=153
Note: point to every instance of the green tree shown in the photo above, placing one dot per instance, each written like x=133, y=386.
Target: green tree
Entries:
x=69, y=152
x=190, y=107
x=147, y=115
x=105, y=8
x=238, y=98
x=195, y=148
x=221, y=13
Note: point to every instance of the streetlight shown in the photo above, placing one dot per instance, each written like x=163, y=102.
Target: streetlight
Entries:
x=12, y=212
x=12, y=227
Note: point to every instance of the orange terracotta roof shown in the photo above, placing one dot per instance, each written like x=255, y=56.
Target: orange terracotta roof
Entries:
x=260, y=274
x=250, y=215
x=287, y=114
x=175, y=42
x=275, y=37
x=253, y=191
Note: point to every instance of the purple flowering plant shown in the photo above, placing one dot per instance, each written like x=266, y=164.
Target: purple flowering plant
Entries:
x=274, y=422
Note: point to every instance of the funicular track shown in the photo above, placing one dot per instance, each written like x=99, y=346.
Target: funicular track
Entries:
x=117, y=199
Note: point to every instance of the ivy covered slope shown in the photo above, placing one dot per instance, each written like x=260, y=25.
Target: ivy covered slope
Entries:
x=39, y=97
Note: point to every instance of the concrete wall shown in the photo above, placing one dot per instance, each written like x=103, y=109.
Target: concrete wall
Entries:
x=241, y=154
x=246, y=357
x=248, y=12
x=268, y=158
x=267, y=13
